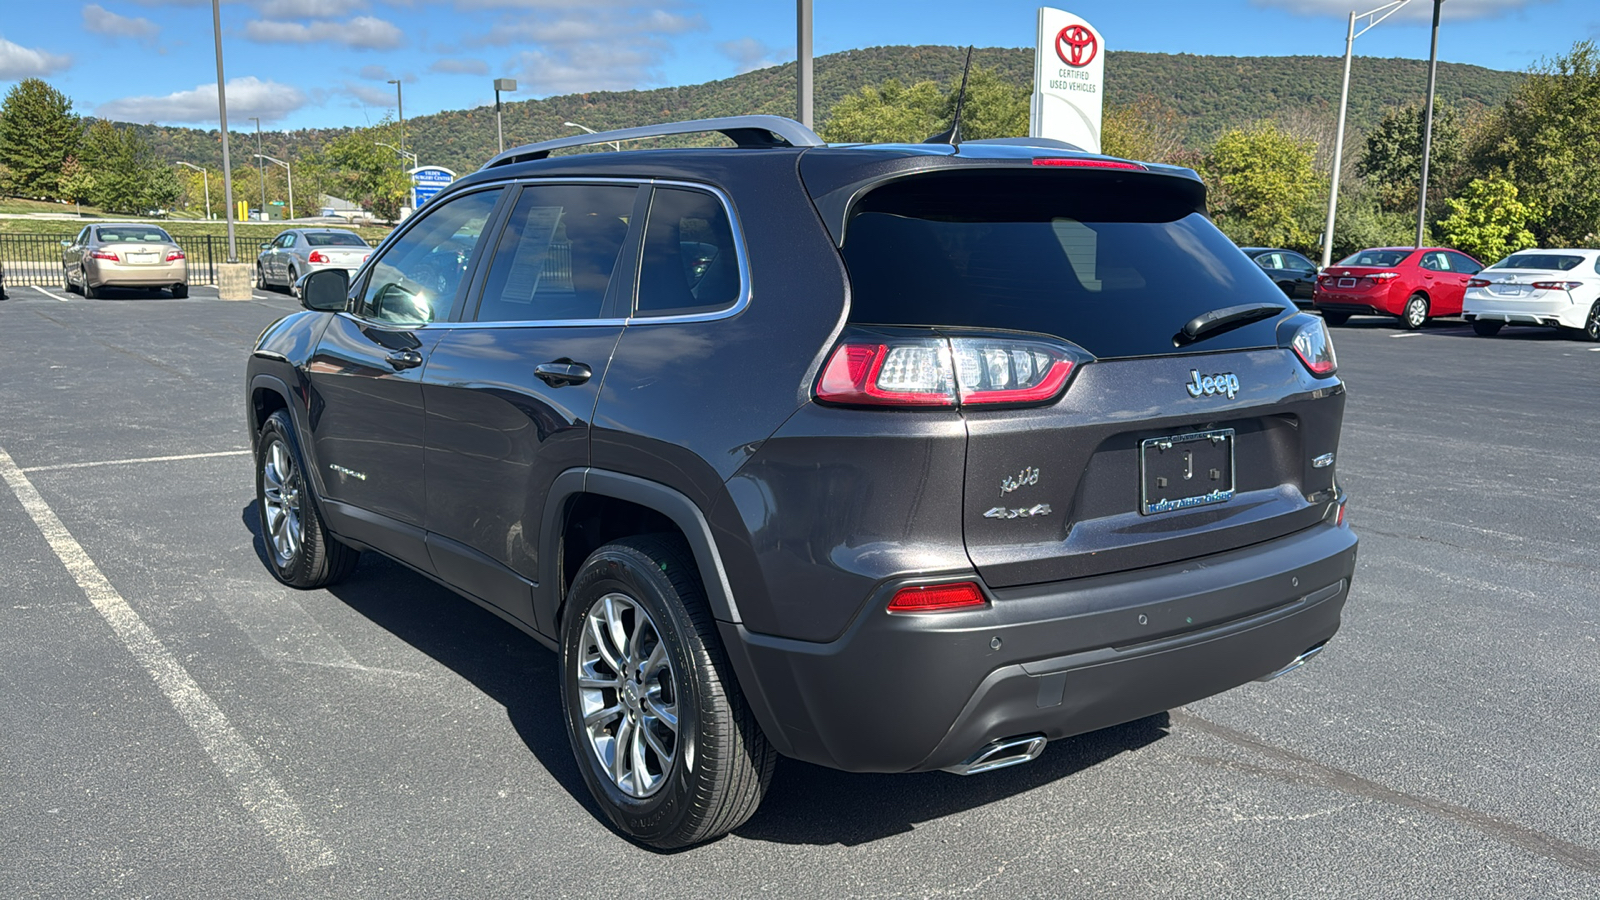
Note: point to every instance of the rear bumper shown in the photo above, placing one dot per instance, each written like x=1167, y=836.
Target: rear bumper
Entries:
x=1558, y=311
x=101, y=273
x=915, y=693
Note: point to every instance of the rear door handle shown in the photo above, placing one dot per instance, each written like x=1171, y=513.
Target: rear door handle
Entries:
x=562, y=372
x=405, y=359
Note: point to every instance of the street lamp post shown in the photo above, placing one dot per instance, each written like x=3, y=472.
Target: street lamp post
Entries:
x=261, y=168
x=1427, y=130
x=400, y=113
x=615, y=145
x=206, y=177
x=501, y=84
x=1374, y=16
x=803, y=61
x=404, y=154
x=290, y=172
x=222, y=113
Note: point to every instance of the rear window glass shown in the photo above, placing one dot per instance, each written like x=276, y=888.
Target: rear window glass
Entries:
x=134, y=233
x=1114, y=265
x=1557, y=262
x=335, y=239
x=1378, y=259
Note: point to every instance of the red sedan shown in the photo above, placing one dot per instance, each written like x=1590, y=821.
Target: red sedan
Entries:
x=1413, y=285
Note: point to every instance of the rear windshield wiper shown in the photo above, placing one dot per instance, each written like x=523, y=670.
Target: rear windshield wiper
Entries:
x=1225, y=319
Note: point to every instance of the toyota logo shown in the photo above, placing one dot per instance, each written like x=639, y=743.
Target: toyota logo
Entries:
x=1076, y=46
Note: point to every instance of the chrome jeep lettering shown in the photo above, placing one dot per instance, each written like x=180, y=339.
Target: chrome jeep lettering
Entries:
x=1205, y=385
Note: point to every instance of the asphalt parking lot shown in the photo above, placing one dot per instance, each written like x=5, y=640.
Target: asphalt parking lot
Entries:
x=177, y=724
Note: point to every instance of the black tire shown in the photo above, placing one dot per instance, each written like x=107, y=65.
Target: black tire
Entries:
x=1335, y=319
x=261, y=278
x=1483, y=328
x=732, y=760
x=1415, y=315
x=180, y=291
x=288, y=284
x=313, y=558
x=66, y=283
x=1591, y=324
x=90, y=292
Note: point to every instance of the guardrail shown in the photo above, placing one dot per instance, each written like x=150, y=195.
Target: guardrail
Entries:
x=35, y=259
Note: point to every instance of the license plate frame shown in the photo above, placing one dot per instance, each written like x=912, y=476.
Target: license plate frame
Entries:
x=1166, y=463
x=1347, y=282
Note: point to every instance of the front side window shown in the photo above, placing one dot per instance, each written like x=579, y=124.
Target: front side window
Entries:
x=555, y=259
x=689, y=263
x=418, y=278
x=1298, y=263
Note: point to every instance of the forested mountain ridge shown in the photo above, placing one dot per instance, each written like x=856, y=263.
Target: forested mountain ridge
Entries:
x=1208, y=93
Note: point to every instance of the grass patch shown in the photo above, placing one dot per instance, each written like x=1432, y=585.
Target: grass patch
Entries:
x=18, y=206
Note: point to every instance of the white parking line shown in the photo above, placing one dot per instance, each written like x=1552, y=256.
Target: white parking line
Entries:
x=1407, y=334
x=258, y=789
x=143, y=459
x=50, y=295
x=1594, y=349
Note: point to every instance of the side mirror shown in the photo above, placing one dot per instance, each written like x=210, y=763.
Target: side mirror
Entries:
x=266, y=246
x=66, y=243
x=324, y=290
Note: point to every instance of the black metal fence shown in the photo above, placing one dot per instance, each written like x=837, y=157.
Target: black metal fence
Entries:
x=35, y=259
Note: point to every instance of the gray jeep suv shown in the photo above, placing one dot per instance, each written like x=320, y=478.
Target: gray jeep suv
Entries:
x=886, y=458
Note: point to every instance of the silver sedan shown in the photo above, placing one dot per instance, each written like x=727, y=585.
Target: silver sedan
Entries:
x=123, y=254
x=298, y=251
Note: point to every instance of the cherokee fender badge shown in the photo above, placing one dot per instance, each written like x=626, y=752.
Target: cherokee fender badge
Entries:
x=1207, y=385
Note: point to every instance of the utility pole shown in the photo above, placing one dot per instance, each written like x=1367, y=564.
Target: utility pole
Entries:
x=222, y=113
x=1427, y=128
x=802, y=61
x=400, y=112
x=261, y=168
x=501, y=84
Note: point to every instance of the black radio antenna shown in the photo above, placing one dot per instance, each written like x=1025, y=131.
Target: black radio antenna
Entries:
x=953, y=136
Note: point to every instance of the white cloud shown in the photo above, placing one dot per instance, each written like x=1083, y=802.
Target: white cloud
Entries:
x=17, y=62
x=750, y=54
x=370, y=95
x=99, y=20
x=375, y=73
x=249, y=96
x=460, y=67
x=308, y=9
x=361, y=32
x=1417, y=9
x=604, y=46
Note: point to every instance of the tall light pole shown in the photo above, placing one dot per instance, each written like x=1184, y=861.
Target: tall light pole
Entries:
x=1373, y=17
x=803, y=61
x=615, y=145
x=400, y=113
x=222, y=113
x=261, y=167
x=1427, y=129
x=206, y=178
x=290, y=172
x=501, y=84
x=404, y=154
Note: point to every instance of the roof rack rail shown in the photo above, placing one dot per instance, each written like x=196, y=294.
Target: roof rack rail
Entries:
x=745, y=131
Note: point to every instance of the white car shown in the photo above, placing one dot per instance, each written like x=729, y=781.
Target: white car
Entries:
x=1556, y=288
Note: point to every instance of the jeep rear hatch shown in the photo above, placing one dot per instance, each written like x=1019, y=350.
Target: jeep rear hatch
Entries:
x=1186, y=426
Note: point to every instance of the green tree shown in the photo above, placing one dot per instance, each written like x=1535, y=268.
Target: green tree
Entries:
x=38, y=132
x=1488, y=221
x=1264, y=188
x=162, y=188
x=122, y=165
x=370, y=174
x=887, y=114
x=1144, y=130
x=993, y=108
x=77, y=182
x=1392, y=162
x=1546, y=141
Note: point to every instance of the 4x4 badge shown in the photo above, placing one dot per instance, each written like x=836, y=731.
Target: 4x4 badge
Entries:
x=1032, y=512
x=1205, y=385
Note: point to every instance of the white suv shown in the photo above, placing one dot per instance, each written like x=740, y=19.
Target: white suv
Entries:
x=1558, y=288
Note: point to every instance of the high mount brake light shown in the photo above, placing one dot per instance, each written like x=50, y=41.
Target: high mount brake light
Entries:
x=1557, y=285
x=1087, y=163
x=877, y=370
x=937, y=598
x=1314, y=346
x=317, y=256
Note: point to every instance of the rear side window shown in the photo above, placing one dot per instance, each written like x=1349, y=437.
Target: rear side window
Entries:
x=1116, y=265
x=557, y=254
x=689, y=263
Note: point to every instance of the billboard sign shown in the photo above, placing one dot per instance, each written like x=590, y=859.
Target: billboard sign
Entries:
x=1068, y=80
x=426, y=181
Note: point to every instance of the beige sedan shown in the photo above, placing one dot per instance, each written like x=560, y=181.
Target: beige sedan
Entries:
x=123, y=254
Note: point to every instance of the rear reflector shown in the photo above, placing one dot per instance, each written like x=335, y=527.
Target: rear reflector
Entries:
x=1087, y=163
x=937, y=598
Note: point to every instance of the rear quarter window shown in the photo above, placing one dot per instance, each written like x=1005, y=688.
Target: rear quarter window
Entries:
x=1114, y=264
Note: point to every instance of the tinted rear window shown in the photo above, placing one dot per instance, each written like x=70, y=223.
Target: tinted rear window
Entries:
x=1558, y=262
x=120, y=234
x=335, y=239
x=1378, y=259
x=1114, y=265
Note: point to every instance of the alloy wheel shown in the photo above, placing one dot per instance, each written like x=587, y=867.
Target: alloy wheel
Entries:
x=281, y=498
x=628, y=694
x=1591, y=325
x=1416, y=312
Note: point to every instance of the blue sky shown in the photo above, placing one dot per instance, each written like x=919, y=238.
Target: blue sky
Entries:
x=306, y=63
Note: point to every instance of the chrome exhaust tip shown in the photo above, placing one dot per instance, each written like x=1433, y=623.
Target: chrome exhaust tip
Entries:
x=1012, y=751
x=1295, y=663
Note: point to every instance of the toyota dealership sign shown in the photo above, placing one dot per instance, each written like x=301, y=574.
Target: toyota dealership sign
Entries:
x=1068, y=80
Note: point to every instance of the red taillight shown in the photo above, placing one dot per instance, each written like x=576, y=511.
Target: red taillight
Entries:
x=1478, y=282
x=942, y=372
x=103, y=254
x=937, y=598
x=317, y=256
x=174, y=255
x=1384, y=276
x=1556, y=285
x=1314, y=346
x=1087, y=163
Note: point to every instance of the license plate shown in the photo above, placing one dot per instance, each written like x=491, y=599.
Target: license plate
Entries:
x=144, y=258
x=1185, y=471
x=1506, y=290
x=1347, y=282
